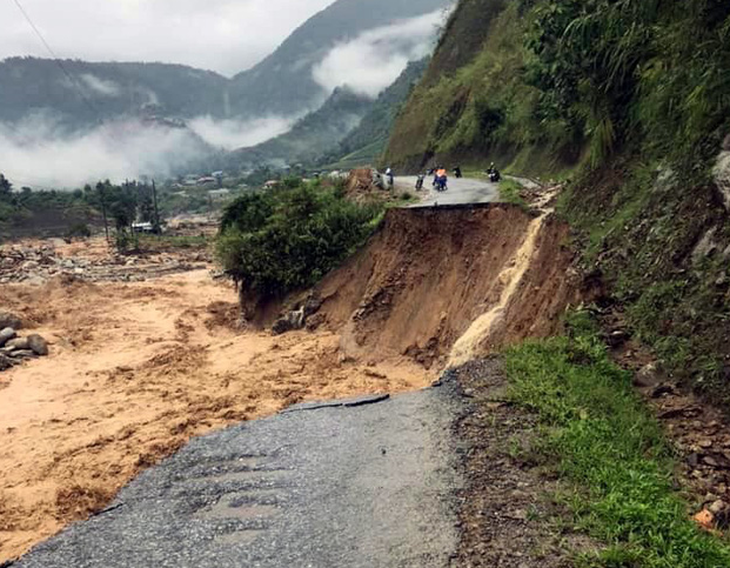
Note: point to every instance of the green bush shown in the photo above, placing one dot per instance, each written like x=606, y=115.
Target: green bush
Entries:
x=275, y=242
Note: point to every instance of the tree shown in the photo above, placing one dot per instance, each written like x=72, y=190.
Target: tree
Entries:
x=6, y=188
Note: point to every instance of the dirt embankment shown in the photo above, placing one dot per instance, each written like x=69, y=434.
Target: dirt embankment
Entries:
x=451, y=284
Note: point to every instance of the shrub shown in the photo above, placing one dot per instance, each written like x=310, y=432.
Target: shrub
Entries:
x=273, y=243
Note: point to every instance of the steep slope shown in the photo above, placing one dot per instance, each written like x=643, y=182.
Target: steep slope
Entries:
x=310, y=137
x=629, y=99
x=31, y=85
x=367, y=141
x=284, y=84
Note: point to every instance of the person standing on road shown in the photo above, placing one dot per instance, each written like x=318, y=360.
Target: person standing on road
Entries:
x=390, y=177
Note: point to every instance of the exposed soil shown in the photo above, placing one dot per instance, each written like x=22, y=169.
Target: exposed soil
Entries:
x=505, y=518
x=428, y=275
x=135, y=370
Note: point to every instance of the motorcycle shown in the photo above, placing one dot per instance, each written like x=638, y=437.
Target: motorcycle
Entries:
x=419, y=182
x=441, y=183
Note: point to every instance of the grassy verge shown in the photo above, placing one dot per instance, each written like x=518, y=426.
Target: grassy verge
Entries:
x=604, y=443
x=509, y=192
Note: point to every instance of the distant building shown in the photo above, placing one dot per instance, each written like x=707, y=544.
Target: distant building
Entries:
x=204, y=180
x=218, y=194
x=272, y=183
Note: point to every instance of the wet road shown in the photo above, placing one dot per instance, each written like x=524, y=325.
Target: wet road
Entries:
x=461, y=191
x=347, y=486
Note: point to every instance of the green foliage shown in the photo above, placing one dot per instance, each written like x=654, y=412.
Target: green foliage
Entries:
x=278, y=241
x=601, y=439
x=509, y=192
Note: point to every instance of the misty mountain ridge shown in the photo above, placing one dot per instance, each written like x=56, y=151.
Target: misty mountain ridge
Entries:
x=49, y=105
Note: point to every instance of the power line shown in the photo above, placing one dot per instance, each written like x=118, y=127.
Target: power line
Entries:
x=57, y=60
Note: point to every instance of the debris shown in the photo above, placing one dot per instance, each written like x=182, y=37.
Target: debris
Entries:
x=19, y=343
x=6, y=335
x=38, y=345
x=8, y=319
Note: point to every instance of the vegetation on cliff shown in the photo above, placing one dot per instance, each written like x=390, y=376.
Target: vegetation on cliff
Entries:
x=277, y=241
x=629, y=100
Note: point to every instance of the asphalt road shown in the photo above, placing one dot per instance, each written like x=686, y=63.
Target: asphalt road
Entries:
x=460, y=191
x=346, y=486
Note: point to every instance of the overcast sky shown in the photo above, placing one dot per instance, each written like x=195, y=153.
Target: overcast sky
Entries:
x=227, y=36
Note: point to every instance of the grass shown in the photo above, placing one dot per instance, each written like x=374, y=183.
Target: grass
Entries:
x=605, y=444
x=509, y=192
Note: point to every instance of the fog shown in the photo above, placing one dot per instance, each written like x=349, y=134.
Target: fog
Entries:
x=232, y=134
x=372, y=61
x=38, y=154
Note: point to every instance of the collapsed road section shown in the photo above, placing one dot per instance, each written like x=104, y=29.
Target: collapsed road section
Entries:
x=357, y=486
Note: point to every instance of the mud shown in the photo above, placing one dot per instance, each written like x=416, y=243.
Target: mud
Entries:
x=478, y=278
x=135, y=370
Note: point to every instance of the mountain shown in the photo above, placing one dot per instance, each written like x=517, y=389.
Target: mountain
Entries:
x=310, y=137
x=283, y=83
x=79, y=94
x=365, y=144
x=629, y=101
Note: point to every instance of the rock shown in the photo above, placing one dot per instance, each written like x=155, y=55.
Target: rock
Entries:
x=23, y=354
x=292, y=320
x=312, y=305
x=617, y=338
x=661, y=390
x=38, y=345
x=8, y=319
x=19, y=343
x=5, y=362
x=648, y=376
x=707, y=246
x=706, y=443
x=721, y=173
x=6, y=335
x=718, y=507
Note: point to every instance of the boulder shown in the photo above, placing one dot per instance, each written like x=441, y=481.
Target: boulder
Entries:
x=8, y=319
x=292, y=320
x=22, y=354
x=19, y=343
x=6, y=335
x=5, y=362
x=38, y=345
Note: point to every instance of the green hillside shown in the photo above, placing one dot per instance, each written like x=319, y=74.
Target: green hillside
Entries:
x=101, y=91
x=629, y=99
x=310, y=138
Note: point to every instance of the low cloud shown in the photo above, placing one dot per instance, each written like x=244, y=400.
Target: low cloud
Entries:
x=371, y=62
x=100, y=86
x=233, y=134
x=38, y=154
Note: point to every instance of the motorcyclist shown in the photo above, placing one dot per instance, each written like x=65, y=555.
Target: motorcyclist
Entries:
x=493, y=173
x=442, y=177
x=419, y=181
x=457, y=172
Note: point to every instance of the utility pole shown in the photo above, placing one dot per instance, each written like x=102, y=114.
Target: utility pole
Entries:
x=102, y=196
x=157, y=211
